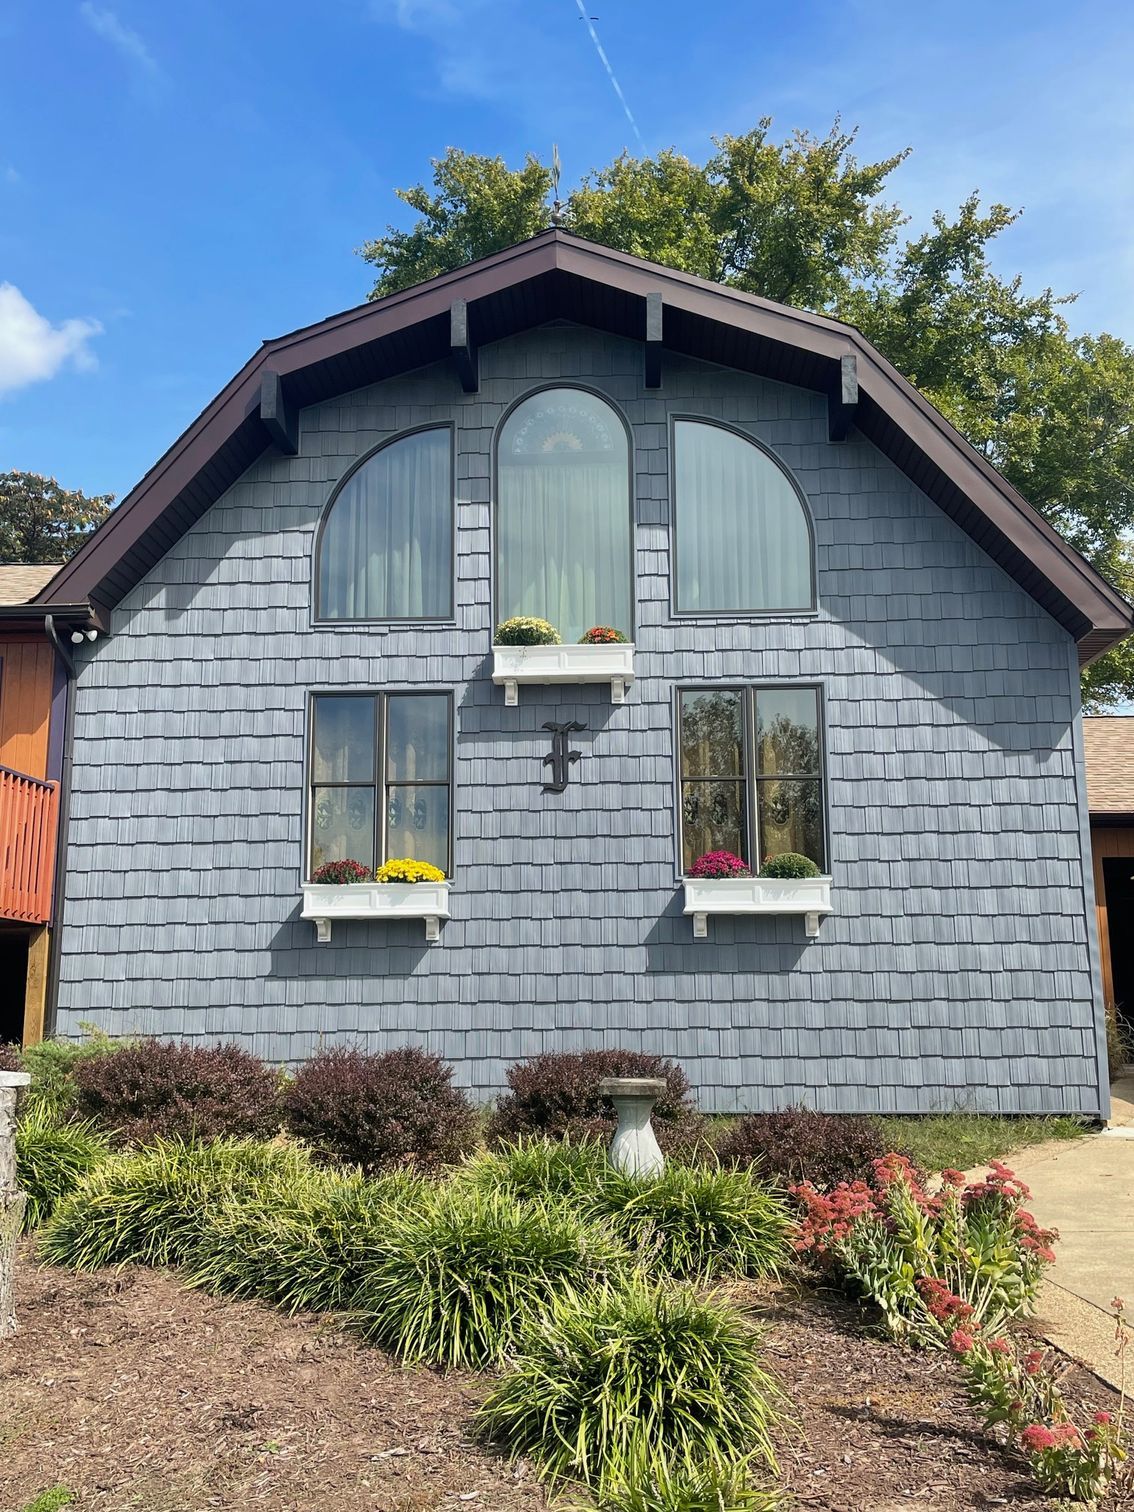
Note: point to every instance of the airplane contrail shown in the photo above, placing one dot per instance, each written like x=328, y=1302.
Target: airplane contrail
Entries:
x=609, y=71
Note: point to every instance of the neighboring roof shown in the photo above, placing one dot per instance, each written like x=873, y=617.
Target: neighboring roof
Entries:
x=558, y=276
x=1108, y=742
x=20, y=583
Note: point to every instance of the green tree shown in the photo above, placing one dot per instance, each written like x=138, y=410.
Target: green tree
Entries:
x=42, y=522
x=480, y=206
x=803, y=222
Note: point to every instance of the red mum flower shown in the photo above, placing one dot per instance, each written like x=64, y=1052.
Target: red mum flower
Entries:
x=961, y=1342
x=1103, y=1417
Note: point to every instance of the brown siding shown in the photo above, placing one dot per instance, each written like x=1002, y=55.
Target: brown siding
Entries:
x=26, y=675
x=1107, y=841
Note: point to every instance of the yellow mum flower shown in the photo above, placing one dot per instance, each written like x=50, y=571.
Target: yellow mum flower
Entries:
x=403, y=869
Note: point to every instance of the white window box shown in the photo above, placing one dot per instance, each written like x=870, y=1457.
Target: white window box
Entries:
x=809, y=896
x=513, y=665
x=375, y=900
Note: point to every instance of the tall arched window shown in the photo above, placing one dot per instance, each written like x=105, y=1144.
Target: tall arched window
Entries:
x=743, y=536
x=563, y=545
x=386, y=546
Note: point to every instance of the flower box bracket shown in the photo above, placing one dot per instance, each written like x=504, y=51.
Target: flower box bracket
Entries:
x=325, y=905
x=809, y=896
x=546, y=666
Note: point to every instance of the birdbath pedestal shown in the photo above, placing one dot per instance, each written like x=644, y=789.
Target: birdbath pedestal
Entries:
x=634, y=1150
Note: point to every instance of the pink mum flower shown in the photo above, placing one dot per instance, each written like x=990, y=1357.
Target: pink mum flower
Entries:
x=960, y=1342
x=1103, y=1417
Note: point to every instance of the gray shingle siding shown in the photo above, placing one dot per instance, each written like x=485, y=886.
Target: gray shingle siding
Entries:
x=958, y=968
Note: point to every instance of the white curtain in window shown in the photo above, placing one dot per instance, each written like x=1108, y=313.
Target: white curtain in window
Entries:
x=386, y=549
x=743, y=544
x=564, y=542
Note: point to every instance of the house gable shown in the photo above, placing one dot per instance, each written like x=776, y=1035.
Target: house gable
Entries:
x=557, y=276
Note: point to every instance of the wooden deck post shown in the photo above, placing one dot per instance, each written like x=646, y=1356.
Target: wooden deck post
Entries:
x=12, y=1200
x=35, y=991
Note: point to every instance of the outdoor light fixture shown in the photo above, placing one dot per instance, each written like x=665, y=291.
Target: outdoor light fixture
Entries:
x=76, y=637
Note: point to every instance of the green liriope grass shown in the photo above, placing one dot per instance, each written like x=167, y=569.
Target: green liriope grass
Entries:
x=536, y=1170
x=52, y=1158
x=633, y=1387
x=699, y=1221
x=453, y=1281
x=303, y=1245
x=712, y=1487
x=51, y=1501
x=152, y=1207
x=691, y=1221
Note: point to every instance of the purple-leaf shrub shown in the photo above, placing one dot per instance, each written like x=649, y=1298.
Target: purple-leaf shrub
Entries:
x=556, y=1096
x=160, y=1089
x=380, y=1111
x=800, y=1144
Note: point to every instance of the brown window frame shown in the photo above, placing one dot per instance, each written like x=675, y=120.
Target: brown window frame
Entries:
x=381, y=787
x=749, y=778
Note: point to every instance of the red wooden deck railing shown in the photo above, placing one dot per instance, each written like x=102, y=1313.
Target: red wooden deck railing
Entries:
x=29, y=815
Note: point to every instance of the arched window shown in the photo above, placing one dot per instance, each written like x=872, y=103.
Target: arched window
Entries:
x=743, y=536
x=385, y=550
x=563, y=546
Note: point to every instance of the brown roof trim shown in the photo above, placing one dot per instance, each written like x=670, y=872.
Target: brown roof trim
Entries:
x=555, y=275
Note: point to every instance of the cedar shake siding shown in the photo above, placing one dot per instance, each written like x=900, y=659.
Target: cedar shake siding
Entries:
x=959, y=967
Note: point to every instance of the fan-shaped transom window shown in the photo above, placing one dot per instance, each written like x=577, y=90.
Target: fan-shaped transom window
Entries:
x=563, y=533
x=743, y=538
x=386, y=547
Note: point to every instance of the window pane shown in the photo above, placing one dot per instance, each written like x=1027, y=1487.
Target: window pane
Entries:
x=417, y=824
x=563, y=514
x=387, y=544
x=342, y=825
x=787, y=731
x=344, y=739
x=791, y=819
x=743, y=544
x=711, y=741
x=417, y=737
x=712, y=818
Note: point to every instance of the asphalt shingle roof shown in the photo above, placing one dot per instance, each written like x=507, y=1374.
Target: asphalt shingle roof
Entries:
x=20, y=583
x=1108, y=741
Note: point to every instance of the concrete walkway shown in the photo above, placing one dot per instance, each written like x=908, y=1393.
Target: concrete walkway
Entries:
x=1085, y=1189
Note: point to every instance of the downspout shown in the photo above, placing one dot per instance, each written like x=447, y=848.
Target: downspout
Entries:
x=64, y=654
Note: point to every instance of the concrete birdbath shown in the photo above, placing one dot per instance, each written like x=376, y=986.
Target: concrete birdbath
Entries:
x=634, y=1150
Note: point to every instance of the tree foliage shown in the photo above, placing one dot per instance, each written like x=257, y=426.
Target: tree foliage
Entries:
x=43, y=522
x=803, y=222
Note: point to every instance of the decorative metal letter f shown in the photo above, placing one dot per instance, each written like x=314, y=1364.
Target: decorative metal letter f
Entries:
x=561, y=758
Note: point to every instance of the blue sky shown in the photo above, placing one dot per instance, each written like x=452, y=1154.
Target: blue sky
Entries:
x=179, y=182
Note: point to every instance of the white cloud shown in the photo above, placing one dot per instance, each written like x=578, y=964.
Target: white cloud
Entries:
x=32, y=349
x=107, y=25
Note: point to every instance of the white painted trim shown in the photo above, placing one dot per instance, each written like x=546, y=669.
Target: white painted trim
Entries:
x=809, y=896
x=375, y=900
x=546, y=665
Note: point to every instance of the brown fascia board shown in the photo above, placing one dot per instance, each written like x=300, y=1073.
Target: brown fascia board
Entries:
x=556, y=274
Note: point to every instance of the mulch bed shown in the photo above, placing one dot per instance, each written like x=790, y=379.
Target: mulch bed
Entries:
x=136, y=1393
x=883, y=1428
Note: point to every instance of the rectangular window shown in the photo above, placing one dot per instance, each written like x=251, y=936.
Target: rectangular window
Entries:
x=750, y=766
x=381, y=775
